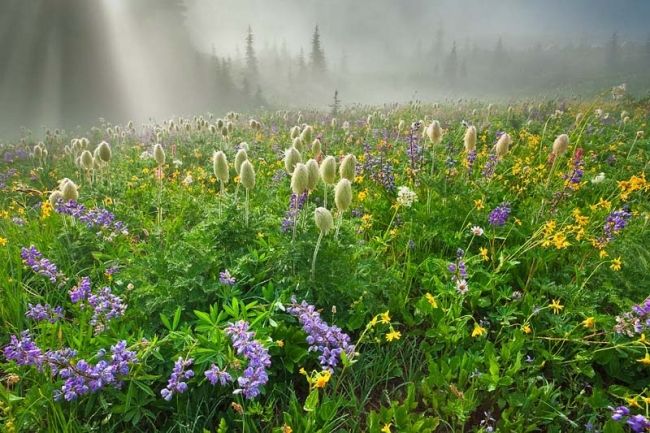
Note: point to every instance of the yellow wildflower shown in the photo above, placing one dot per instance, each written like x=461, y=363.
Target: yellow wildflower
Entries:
x=385, y=317
x=589, y=323
x=603, y=254
x=478, y=330
x=287, y=429
x=632, y=402
x=386, y=428
x=46, y=209
x=616, y=264
x=303, y=371
x=645, y=360
x=527, y=329
x=362, y=195
x=3, y=241
x=280, y=343
x=484, y=254
x=373, y=322
x=393, y=335
x=478, y=204
x=556, y=306
x=322, y=378
x=431, y=300
x=642, y=339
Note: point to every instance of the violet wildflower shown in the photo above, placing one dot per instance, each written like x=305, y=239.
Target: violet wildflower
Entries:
x=490, y=166
x=40, y=312
x=96, y=218
x=23, y=350
x=255, y=375
x=296, y=203
x=330, y=341
x=619, y=412
x=226, y=279
x=638, y=423
x=214, y=374
x=458, y=270
x=81, y=291
x=471, y=158
x=499, y=215
x=106, y=305
x=35, y=260
x=177, y=381
x=616, y=221
x=635, y=321
x=575, y=176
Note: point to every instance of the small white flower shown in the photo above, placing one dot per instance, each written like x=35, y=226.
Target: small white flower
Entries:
x=406, y=197
x=476, y=231
x=462, y=287
x=177, y=162
x=188, y=180
x=145, y=155
x=598, y=178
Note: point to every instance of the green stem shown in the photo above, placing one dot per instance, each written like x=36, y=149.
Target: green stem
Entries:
x=313, y=260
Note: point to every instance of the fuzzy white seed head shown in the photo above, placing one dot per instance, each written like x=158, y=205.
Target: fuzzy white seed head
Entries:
x=104, y=151
x=240, y=157
x=86, y=160
x=316, y=147
x=312, y=170
x=247, y=175
x=434, y=132
x=55, y=196
x=69, y=190
x=343, y=195
x=297, y=143
x=470, y=138
x=299, y=179
x=220, y=166
x=159, y=154
x=307, y=134
x=328, y=170
x=348, y=167
x=561, y=144
x=291, y=158
x=503, y=145
x=294, y=132
x=323, y=219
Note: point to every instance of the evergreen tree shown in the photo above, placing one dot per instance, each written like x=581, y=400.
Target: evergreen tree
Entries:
x=613, y=51
x=336, y=103
x=317, y=56
x=452, y=65
x=251, y=59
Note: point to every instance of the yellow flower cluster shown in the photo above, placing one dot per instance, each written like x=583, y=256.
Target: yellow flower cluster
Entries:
x=635, y=183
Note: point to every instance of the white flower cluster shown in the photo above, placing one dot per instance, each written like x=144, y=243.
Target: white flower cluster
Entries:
x=405, y=196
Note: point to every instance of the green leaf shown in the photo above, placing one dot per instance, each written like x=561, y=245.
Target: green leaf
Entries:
x=312, y=401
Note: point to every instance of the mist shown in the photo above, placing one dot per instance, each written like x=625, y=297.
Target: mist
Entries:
x=68, y=63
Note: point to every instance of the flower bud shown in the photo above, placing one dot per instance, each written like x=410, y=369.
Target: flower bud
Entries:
x=343, y=194
x=220, y=166
x=348, y=167
x=324, y=220
x=299, y=179
x=159, y=154
x=247, y=175
x=240, y=157
x=328, y=170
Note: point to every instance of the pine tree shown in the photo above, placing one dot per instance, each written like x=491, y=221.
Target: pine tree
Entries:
x=613, y=51
x=336, y=103
x=251, y=59
x=317, y=56
x=452, y=65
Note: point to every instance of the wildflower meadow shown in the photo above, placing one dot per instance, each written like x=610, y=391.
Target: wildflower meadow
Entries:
x=412, y=268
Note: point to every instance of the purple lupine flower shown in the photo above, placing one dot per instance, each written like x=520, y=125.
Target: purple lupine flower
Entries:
x=177, y=380
x=413, y=148
x=40, y=312
x=214, y=374
x=635, y=321
x=35, y=260
x=96, y=218
x=23, y=350
x=499, y=215
x=296, y=203
x=471, y=158
x=616, y=221
x=82, y=377
x=490, y=166
x=81, y=291
x=638, y=423
x=577, y=171
x=255, y=375
x=226, y=279
x=330, y=341
x=619, y=412
x=458, y=271
x=106, y=305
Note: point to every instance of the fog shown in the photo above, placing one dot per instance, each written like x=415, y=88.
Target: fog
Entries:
x=65, y=63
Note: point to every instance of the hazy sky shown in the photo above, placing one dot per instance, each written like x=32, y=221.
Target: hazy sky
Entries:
x=391, y=24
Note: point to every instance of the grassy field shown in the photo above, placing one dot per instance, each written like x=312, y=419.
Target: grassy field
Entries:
x=416, y=268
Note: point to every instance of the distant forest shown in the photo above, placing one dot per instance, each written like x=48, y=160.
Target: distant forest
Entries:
x=63, y=42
